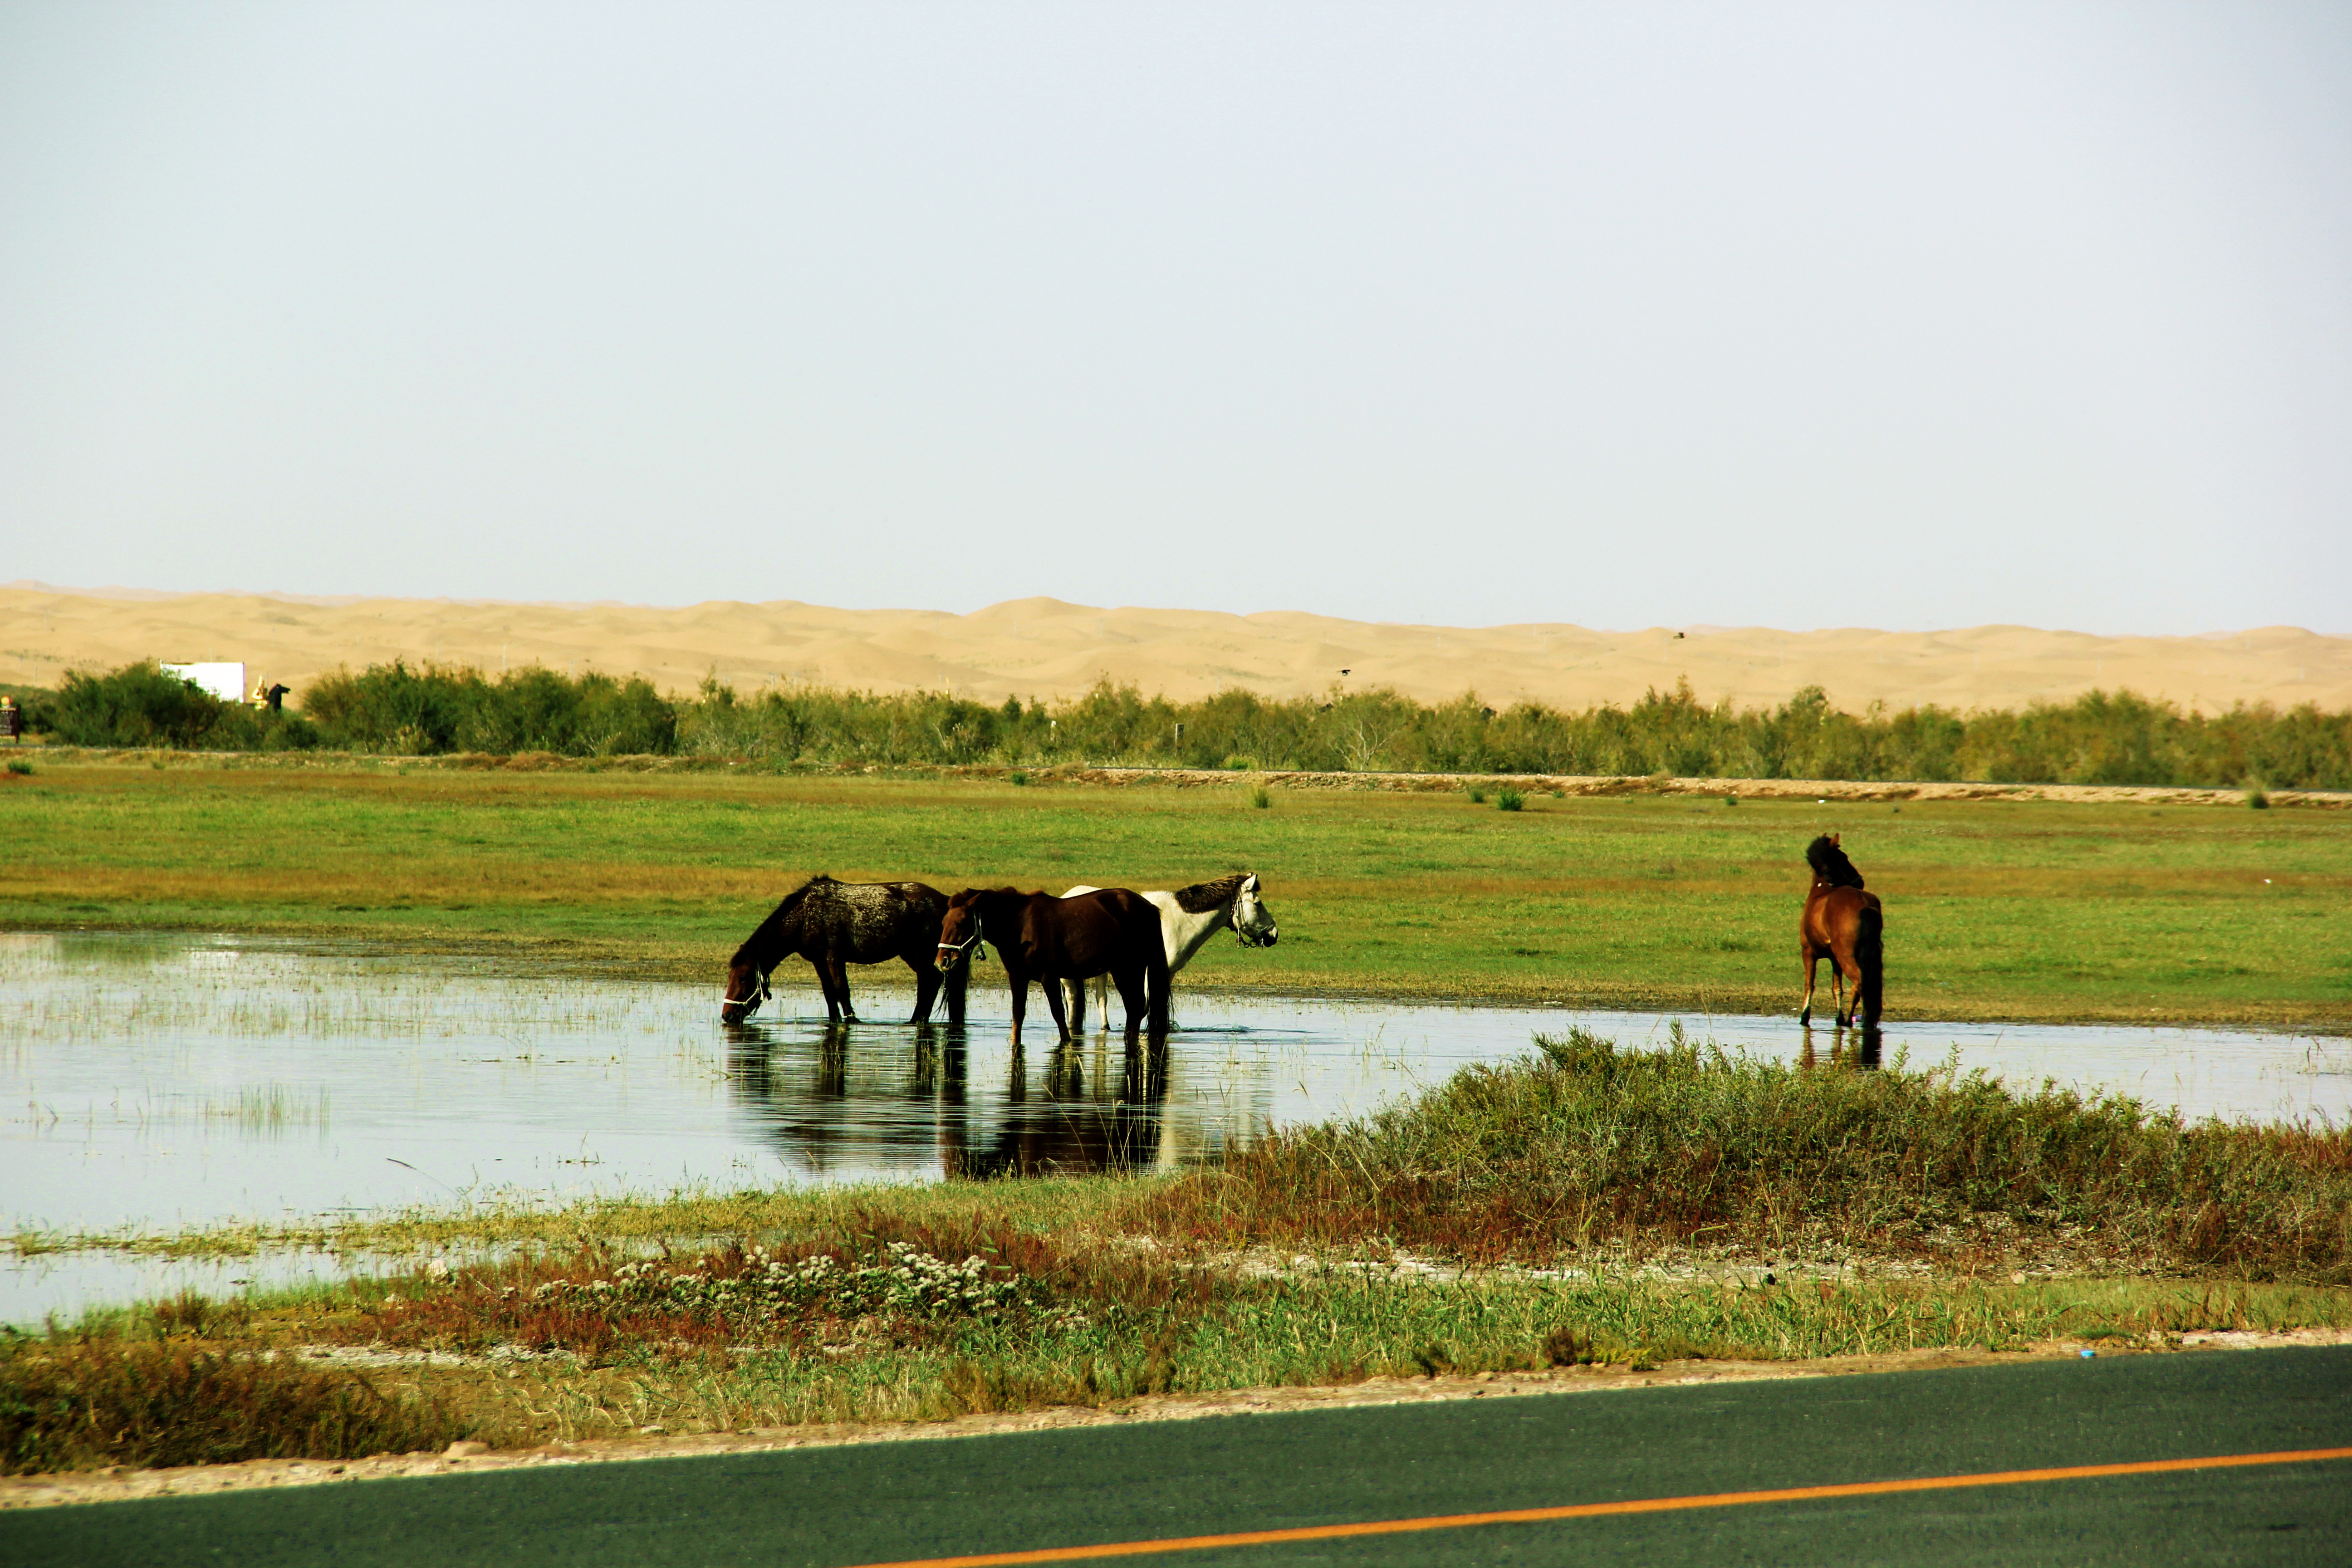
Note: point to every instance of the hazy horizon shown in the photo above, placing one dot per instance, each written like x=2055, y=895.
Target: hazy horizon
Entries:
x=1788, y=316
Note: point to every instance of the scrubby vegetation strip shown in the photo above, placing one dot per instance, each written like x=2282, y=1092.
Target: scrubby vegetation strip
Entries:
x=2100, y=738
x=1587, y=1147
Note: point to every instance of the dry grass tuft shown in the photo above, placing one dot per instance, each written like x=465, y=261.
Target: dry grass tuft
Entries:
x=79, y=1405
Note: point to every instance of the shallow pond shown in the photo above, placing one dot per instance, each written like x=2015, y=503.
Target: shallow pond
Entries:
x=157, y=1082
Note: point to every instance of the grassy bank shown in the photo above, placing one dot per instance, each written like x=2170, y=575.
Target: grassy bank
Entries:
x=1996, y=909
x=1651, y=1206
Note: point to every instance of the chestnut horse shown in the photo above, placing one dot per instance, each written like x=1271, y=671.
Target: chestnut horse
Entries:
x=1039, y=937
x=1841, y=922
x=832, y=924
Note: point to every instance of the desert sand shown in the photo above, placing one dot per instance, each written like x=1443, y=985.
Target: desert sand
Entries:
x=1046, y=648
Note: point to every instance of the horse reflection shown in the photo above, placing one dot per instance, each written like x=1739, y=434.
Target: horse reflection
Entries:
x=809, y=1122
x=1065, y=1133
x=1094, y=1108
x=1861, y=1049
x=923, y=1083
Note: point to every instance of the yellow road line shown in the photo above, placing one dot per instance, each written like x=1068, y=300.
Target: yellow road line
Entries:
x=1602, y=1509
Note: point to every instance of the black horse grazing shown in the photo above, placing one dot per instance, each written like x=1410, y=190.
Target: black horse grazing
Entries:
x=834, y=923
x=1039, y=937
x=1843, y=923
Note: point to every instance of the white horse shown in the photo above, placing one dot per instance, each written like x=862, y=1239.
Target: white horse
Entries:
x=1189, y=917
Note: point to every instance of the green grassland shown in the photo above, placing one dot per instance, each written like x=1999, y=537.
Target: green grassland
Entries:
x=2006, y=909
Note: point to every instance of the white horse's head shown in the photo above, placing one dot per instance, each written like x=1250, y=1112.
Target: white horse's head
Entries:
x=1253, y=921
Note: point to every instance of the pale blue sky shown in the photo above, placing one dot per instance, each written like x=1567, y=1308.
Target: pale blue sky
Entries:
x=1900, y=315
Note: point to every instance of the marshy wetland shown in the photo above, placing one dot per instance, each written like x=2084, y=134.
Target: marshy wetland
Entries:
x=160, y=1084
x=501, y=1144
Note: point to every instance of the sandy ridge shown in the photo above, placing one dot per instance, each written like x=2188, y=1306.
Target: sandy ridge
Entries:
x=1042, y=648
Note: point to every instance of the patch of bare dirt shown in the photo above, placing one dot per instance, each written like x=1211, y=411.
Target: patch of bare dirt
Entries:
x=1822, y=790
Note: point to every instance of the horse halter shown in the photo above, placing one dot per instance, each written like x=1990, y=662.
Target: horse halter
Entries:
x=759, y=992
x=968, y=943
x=1243, y=934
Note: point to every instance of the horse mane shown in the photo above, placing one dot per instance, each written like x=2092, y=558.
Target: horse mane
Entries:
x=1201, y=897
x=777, y=916
x=1830, y=864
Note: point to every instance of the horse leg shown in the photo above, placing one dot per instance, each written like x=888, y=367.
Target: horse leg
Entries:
x=1852, y=965
x=958, y=979
x=1134, y=994
x=927, y=990
x=841, y=980
x=1156, y=982
x=1061, y=1014
x=1019, y=984
x=825, y=983
x=1077, y=1005
x=1811, y=957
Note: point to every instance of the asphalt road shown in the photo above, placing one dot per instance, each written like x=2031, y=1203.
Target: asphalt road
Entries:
x=896, y=1501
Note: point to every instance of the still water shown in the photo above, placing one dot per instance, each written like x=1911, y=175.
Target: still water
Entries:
x=157, y=1082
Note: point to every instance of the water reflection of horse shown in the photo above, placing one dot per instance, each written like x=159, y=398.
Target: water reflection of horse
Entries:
x=814, y=1113
x=1861, y=1050
x=1189, y=917
x=822, y=1122
x=1048, y=940
x=1068, y=1132
x=1843, y=923
x=833, y=925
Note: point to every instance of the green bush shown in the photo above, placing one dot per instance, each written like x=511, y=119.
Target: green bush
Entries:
x=142, y=705
x=138, y=705
x=432, y=709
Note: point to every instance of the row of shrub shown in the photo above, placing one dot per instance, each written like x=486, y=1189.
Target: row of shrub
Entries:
x=385, y=707
x=2103, y=738
x=1588, y=1146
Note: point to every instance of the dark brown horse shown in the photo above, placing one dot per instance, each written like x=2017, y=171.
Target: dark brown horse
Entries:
x=1048, y=940
x=834, y=923
x=1841, y=922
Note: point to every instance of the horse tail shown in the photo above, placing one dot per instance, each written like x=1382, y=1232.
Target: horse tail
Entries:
x=1157, y=975
x=1869, y=956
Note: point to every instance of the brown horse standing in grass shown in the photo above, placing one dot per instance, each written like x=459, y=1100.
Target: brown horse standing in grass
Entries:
x=1841, y=922
x=1038, y=937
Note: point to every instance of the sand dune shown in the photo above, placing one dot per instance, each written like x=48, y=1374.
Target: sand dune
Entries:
x=1045, y=648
